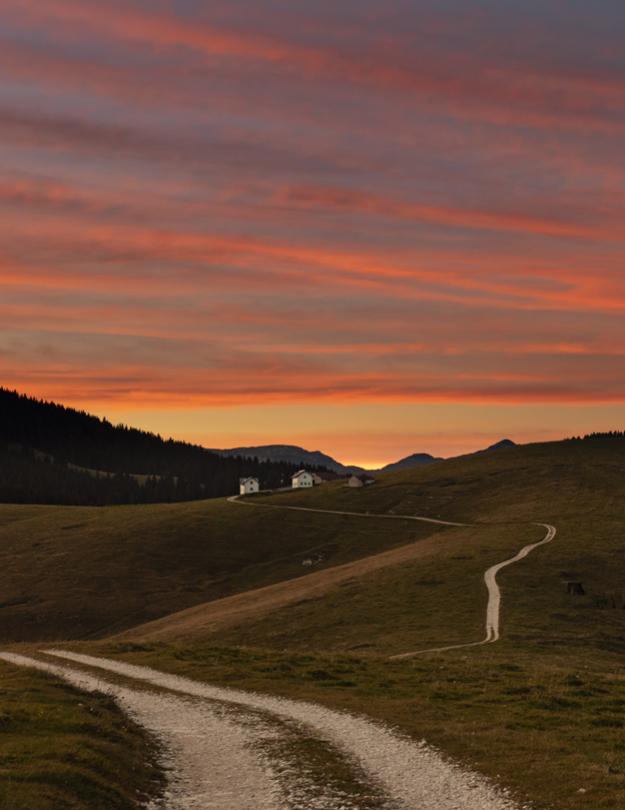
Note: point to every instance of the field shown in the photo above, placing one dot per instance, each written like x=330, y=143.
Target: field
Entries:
x=86, y=572
x=540, y=712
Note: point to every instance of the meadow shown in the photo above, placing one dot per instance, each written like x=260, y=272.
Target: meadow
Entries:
x=541, y=711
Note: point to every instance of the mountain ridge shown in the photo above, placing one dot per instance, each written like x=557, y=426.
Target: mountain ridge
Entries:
x=290, y=453
x=294, y=454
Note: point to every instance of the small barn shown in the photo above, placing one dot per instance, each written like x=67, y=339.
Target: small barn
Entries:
x=248, y=486
x=302, y=480
x=360, y=481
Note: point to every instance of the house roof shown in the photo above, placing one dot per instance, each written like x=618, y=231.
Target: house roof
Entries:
x=301, y=472
x=245, y=480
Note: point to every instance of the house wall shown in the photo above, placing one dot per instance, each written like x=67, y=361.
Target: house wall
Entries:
x=303, y=481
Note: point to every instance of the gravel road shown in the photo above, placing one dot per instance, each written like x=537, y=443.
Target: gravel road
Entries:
x=208, y=757
x=212, y=742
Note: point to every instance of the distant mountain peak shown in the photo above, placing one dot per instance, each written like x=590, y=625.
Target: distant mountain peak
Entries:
x=414, y=460
x=499, y=445
x=291, y=453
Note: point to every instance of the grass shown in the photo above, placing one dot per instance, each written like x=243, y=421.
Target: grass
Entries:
x=540, y=712
x=440, y=599
x=548, y=726
x=76, y=572
x=67, y=750
x=517, y=484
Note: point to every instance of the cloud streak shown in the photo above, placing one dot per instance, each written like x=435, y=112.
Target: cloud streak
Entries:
x=505, y=93
x=235, y=207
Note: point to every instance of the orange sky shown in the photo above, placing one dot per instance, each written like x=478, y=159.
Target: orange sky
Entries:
x=372, y=229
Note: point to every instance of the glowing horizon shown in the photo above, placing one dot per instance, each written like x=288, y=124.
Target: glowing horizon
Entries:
x=377, y=229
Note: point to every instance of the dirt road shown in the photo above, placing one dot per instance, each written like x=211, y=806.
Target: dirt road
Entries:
x=221, y=753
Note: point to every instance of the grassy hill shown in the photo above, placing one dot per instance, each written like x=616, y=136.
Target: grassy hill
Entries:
x=579, y=486
x=541, y=711
x=521, y=483
x=83, y=572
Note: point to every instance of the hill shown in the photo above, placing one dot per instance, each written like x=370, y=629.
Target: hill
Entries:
x=291, y=454
x=540, y=711
x=501, y=445
x=81, y=572
x=578, y=485
x=58, y=455
x=415, y=460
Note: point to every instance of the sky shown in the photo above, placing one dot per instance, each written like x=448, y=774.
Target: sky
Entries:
x=367, y=228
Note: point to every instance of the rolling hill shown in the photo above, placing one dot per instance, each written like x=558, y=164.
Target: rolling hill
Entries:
x=84, y=572
x=293, y=454
x=540, y=711
x=577, y=485
x=290, y=454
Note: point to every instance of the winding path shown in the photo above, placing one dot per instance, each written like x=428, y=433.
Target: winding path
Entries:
x=493, y=607
x=232, y=750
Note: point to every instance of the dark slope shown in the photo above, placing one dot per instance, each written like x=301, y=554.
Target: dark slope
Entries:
x=53, y=454
x=415, y=460
x=290, y=454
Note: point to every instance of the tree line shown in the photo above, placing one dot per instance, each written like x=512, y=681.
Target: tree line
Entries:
x=53, y=454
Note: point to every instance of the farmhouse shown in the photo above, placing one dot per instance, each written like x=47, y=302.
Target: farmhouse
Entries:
x=360, y=481
x=302, y=479
x=247, y=486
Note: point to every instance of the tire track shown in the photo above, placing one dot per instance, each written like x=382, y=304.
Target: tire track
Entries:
x=409, y=774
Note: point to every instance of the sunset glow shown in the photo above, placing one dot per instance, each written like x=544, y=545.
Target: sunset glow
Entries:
x=367, y=228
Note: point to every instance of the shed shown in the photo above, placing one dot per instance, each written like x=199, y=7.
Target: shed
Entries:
x=360, y=481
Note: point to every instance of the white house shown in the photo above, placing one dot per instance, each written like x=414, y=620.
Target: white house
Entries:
x=248, y=486
x=360, y=481
x=302, y=479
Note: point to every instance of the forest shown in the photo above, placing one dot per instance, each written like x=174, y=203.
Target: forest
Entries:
x=53, y=454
